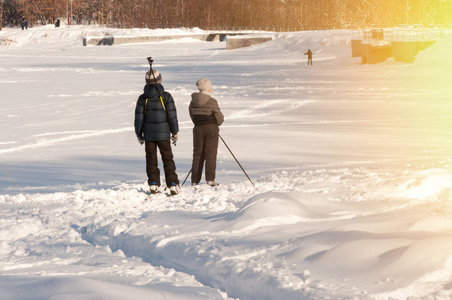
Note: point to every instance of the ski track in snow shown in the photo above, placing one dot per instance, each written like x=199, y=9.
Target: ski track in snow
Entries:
x=244, y=114
x=43, y=142
x=261, y=110
x=98, y=94
x=252, y=112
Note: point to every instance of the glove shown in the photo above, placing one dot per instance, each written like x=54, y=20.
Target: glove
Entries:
x=174, y=139
x=140, y=140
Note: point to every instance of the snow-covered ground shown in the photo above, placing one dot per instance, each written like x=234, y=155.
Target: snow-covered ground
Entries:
x=351, y=163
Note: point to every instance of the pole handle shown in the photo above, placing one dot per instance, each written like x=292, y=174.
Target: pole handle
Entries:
x=150, y=61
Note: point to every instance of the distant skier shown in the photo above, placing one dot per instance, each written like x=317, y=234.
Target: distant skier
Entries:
x=26, y=24
x=57, y=23
x=309, y=54
x=207, y=117
x=155, y=125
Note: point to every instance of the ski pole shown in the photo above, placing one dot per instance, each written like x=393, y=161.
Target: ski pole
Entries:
x=236, y=160
x=150, y=61
x=187, y=177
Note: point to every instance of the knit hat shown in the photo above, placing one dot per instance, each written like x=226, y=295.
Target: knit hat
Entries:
x=150, y=78
x=204, y=84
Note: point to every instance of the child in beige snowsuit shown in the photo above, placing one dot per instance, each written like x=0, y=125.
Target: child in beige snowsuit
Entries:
x=207, y=117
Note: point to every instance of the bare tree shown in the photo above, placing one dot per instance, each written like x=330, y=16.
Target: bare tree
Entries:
x=211, y=13
x=1, y=14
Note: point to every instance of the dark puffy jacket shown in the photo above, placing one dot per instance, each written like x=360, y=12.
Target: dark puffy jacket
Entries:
x=158, y=122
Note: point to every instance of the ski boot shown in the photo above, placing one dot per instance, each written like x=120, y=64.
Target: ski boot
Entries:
x=174, y=189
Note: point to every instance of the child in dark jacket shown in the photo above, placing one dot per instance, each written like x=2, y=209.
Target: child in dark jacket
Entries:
x=155, y=124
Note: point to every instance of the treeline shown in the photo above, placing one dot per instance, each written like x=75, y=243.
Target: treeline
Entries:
x=220, y=13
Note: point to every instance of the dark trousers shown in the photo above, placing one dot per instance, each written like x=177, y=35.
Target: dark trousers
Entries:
x=310, y=61
x=152, y=169
x=205, y=147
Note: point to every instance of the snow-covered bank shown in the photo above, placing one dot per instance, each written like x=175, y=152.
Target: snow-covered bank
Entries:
x=45, y=36
x=351, y=163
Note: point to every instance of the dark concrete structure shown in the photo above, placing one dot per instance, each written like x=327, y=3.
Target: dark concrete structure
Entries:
x=406, y=51
x=375, y=48
x=246, y=41
x=375, y=53
x=117, y=40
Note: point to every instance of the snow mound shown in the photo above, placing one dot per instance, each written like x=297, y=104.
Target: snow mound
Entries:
x=438, y=55
x=278, y=209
